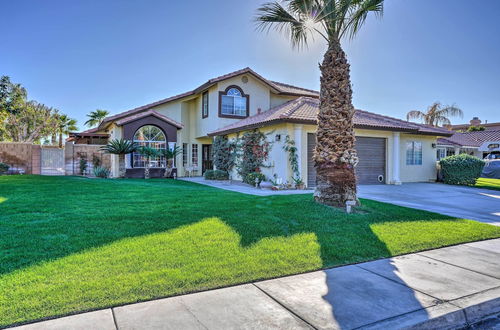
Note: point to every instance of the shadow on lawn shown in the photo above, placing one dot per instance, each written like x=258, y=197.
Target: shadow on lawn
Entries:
x=59, y=217
x=52, y=217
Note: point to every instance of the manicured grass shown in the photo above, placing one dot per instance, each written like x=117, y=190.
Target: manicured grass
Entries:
x=71, y=244
x=488, y=183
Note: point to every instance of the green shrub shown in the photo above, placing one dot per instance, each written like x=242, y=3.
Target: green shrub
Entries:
x=461, y=169
x=83, y=165
x=216, y=175
x=101, y=172
x=4, y=168
x=254, y=178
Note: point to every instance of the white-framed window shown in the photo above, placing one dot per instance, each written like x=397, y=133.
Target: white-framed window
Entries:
x=204, y=105
x=194, y=154
x=185, y=154
x=441, y=153
x=234, y=103
x=413, y=153
x=153, y=137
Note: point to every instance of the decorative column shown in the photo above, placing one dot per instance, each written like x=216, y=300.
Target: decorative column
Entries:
x=396, y=150
x=457, y=151
x=297, y=137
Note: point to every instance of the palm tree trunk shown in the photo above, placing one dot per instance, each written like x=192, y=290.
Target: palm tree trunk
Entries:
x=121, y=165
x=335, y=156
x=60, y=140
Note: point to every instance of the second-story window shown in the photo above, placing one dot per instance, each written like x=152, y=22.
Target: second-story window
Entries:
x=233, y=103
x=204, y=105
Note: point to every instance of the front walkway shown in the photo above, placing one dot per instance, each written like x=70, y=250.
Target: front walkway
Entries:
x=444, y=288
x=238, y=186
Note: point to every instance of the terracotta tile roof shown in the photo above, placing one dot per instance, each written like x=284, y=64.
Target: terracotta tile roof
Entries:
x=145, y=107
x=305, y=110
x=148, y=113
x=470, y=139
x=278, y=87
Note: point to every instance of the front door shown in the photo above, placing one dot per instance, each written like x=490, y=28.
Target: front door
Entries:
x=206, y=158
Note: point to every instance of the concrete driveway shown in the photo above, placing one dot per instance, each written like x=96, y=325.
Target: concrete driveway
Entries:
x=462, y=202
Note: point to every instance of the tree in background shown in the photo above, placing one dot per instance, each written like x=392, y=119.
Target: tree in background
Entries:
x=64, y=126
x=96, y=117
x=436, y=114
x=476, y=128
x=335, y=156
x=28, y=121
x=12, y=98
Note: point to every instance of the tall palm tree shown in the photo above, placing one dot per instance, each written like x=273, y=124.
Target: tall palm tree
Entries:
x=64, y=126
x=436, y=114
x=96, y=117
x=335, y=156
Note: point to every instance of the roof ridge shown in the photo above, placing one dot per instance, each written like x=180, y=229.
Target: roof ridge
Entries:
x=293, y=86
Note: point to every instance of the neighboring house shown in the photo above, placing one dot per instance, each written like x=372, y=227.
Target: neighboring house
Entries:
x=472, y=143
x=476, y=122
x=390, y=150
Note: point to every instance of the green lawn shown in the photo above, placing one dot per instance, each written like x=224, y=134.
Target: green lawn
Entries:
x=71, y=244
x=488, y=183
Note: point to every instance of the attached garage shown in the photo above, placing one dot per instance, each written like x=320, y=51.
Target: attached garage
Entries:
x=372, y=160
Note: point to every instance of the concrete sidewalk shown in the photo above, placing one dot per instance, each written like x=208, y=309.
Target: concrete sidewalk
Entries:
x=445, y=288
x=240, y=187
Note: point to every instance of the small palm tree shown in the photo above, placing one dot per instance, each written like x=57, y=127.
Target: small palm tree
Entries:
x=149, y=153
x=121, y=148
x=335, y=156
x=169, y=155
x=436, y=114
x=96, y=117
x=64, y=126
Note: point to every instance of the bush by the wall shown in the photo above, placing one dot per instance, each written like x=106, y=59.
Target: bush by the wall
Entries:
x=461, y=169
x=216, y=175
x=254, y=178
x=101, y=172
x=224, y=153
x=4, y=168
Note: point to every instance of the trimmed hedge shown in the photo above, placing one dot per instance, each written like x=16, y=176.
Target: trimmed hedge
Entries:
x=216, y=175
x=3, y=168
x=461, y=169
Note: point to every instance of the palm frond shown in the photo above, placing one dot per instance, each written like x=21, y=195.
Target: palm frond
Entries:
x=450, y=111
x=415, y=114
x=358, y=11
x=273, y=15
x=441, y=121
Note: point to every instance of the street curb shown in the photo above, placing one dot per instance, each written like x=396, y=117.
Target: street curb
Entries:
x=455, y=314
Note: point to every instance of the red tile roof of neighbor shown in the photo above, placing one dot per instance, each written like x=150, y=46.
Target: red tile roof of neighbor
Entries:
x=305, y=110
x=279, y=88
x=470, y=139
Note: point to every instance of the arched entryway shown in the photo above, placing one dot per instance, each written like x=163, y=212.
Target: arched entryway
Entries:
x=150, y=136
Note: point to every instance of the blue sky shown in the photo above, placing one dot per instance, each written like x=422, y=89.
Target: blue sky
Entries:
x=81, y=55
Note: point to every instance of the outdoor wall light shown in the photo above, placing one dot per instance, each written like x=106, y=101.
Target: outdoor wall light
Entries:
x=434, y=145
x=277, y=138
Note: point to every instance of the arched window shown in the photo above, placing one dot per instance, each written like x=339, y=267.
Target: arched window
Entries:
x=152, y=137
x=233, y=103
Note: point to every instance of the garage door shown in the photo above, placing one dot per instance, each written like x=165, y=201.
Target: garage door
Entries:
x=371, y=153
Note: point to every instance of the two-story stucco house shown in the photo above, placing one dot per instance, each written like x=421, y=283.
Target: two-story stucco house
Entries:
x=390, y=150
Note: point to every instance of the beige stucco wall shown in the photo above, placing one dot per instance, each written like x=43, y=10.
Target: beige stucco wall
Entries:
x=279, y=164
x=419, y=173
